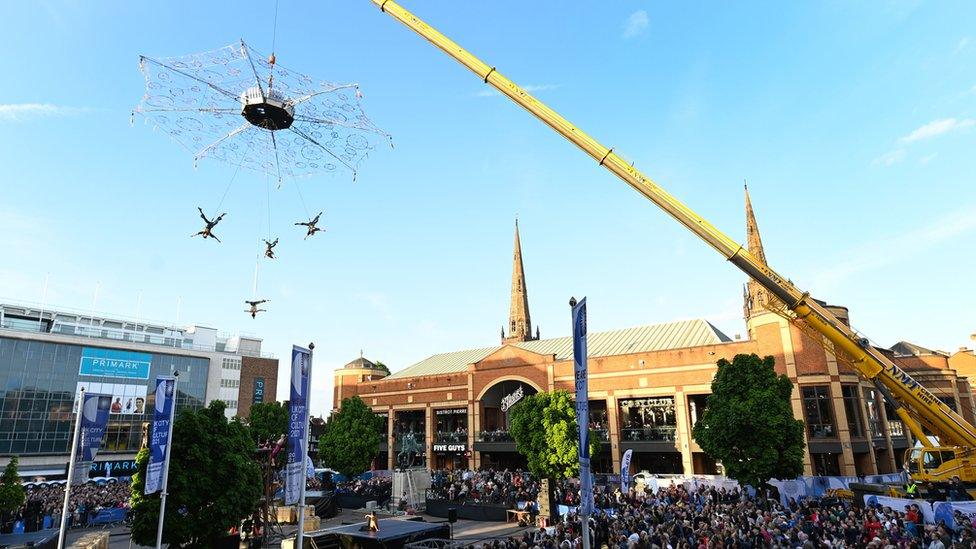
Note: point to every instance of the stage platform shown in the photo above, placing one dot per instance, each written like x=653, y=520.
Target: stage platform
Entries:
x=392, y=534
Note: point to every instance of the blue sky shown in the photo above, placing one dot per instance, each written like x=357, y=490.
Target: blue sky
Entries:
x=854, y=123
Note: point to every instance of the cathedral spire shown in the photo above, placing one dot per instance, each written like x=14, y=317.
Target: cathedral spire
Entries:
x=519, y=322
x=753, y=240
x=755, y=296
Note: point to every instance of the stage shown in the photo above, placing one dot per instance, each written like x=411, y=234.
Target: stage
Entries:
x=392, y=534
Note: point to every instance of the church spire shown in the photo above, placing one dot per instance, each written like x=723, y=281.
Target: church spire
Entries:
x=519, y=322
x=755, y=296
x=753, y=240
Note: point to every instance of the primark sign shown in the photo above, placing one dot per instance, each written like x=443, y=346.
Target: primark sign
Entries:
x=114, y=363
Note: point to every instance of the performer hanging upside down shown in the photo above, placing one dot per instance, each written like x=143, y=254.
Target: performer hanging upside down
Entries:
x=254, y=307
x=311, y=225
x=269, y=248
x=207, y=231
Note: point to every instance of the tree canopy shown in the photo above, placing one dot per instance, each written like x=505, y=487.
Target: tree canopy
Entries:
x=214, y=481
x=268, y=421
x=351, y=437
x=382, y=366
x=11, y=490
x=545, y=431
x=748, y=424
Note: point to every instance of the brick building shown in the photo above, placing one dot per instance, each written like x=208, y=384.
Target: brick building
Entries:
x=647, y=387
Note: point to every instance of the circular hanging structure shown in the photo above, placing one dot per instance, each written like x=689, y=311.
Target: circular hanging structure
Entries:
x=237, y=106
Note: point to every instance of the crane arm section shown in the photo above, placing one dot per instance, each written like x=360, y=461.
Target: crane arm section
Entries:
x=870, y=363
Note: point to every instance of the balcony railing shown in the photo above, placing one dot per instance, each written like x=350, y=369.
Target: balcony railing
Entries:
x=601, y=435
x=451, y=436
x=896, y=428
x=495, y=436
x=648, y=434
x=419, y=438
x=821, y=430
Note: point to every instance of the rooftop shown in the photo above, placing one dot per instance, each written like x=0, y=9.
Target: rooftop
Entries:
x=42, y=319
x=642, y=339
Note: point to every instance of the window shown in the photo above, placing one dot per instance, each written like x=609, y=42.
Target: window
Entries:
x=948, y=401
x=230, y=383
x=825, y=465
x=818, y=410
x=874, y=413
x=853, y=410
x=230, y=363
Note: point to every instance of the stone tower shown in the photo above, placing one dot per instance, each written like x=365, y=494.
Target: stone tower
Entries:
x=519, y=321
x=754, y=296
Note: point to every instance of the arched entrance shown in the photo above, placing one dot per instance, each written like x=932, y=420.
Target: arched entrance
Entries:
x=494, y=442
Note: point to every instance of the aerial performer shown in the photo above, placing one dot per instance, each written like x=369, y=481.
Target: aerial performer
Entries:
x=269, y=248
x=311, y=225
x=253, y=310
x=207, y=231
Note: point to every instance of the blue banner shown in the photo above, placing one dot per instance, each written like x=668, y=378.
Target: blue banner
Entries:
x=258, y=396
x=112, y=363
x=625, y=471
x=165, y=407
x=301, y=365
x=94, y=417
x=582, y=406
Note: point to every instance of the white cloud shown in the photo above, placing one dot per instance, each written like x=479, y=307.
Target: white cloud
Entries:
x=963, y=42
x=936, y=128
x=927, y=158
x=899, y=248
x=889, y=158
x=24, y=111
x=492, y=92
x=636, y=24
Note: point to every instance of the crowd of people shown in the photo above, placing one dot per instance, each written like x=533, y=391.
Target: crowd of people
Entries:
x=484, y=487
x=376, y=488
x=675, y=517
x=87, y=500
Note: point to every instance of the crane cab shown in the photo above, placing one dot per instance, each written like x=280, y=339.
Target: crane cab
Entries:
x=940, y=464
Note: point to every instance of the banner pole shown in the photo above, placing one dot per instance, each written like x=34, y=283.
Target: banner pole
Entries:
x=169, y=447
x=300, y=538
x=63, y=532
x=580, y=370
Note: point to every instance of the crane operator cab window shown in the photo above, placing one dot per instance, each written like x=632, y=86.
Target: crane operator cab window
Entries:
x=931, y=459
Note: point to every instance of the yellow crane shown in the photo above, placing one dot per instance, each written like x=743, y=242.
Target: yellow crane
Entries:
x=915, y=405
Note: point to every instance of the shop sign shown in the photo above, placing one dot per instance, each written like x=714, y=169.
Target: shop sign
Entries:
x=258, y=396
x=450, y=447
x=511, y=399
x=451, y=411
x=114, y=363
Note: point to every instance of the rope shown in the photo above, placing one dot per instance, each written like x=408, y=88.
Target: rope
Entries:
x=231, y=182
x=268, y=181
x=302, y=198
x=274, y=32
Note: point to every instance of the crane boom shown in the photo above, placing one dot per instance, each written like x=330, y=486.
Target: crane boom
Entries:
x=870, y=363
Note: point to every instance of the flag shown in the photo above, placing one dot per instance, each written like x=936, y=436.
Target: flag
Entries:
x=94, y=417
x=301, y=364
x=582, y=406
x=159, y=439
x=625, y=471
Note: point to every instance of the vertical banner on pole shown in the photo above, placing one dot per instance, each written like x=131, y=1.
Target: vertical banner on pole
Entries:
x=301, y=363
x=94, y=418
x=159, y=439
x=625, y=471
x=582, y=406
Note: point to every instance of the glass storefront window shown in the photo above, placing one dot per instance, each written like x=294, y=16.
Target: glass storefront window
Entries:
x=38, y=383
x=648, y=419
x=818, y=411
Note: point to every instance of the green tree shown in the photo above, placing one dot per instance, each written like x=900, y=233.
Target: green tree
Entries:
x=381, y=366
x=545, y=431
x=214, y=481
x=351, y=438
x=749, y=424
x=268, y=421
x=11, y=491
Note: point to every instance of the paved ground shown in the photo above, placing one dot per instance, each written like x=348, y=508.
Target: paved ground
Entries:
x=469, y=531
